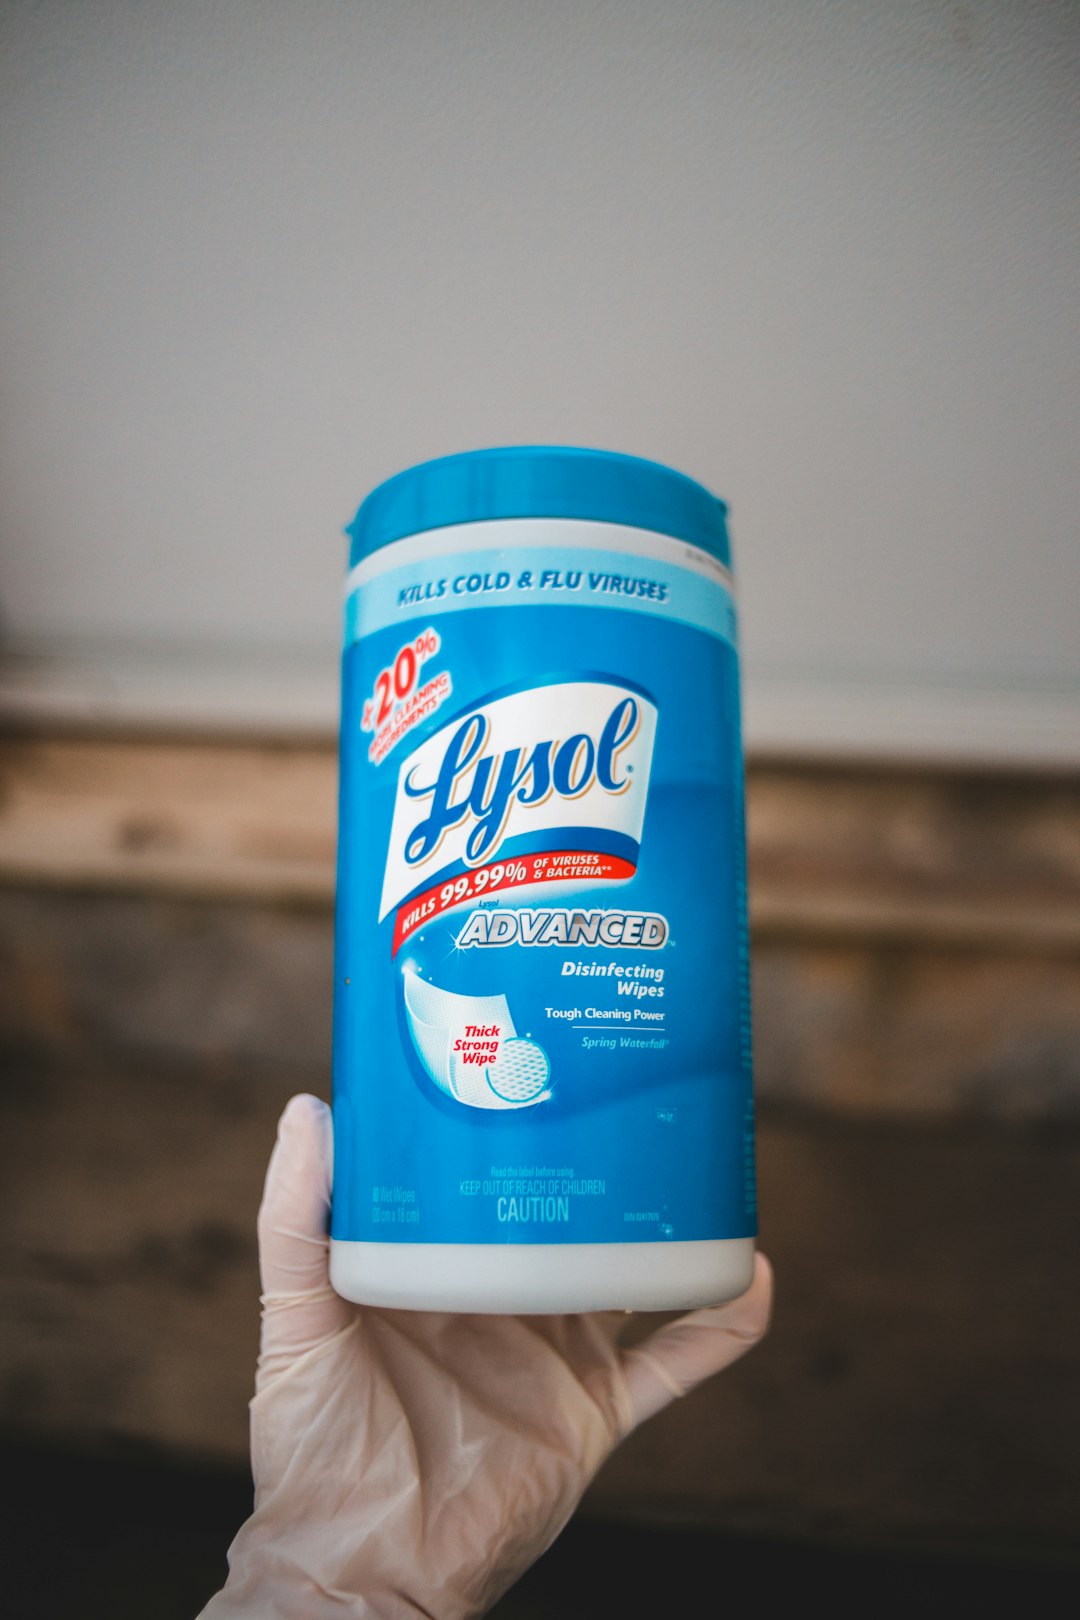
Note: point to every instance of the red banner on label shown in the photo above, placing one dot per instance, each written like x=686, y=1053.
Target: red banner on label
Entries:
x=555, y=866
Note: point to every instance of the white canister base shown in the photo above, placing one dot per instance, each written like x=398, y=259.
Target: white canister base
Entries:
x=542, y=1279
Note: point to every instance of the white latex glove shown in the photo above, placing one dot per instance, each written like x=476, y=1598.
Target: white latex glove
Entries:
x=414, y=1464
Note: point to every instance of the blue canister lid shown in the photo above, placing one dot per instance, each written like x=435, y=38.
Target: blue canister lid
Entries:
x=536, y=481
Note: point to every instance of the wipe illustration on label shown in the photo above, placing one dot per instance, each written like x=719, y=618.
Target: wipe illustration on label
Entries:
x=545, y=784
x=469, y=1047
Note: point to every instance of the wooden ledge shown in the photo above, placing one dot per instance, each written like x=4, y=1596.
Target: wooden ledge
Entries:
x=991, y=861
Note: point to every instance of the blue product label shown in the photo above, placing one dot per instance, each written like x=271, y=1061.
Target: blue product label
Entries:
x=542, y=989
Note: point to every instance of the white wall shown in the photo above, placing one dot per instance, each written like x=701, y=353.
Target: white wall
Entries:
x=822, y=254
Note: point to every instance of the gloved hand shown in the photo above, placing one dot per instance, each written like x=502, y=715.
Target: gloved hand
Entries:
x=414, y=1464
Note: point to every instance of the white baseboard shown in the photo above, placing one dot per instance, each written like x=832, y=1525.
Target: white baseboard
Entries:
x=188, y=689
x=930, y=724
x=280, y=694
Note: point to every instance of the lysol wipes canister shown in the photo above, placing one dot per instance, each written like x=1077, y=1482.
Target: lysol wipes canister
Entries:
x=542, y=1055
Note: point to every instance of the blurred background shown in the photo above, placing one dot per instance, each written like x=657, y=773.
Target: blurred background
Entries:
x=822, y=255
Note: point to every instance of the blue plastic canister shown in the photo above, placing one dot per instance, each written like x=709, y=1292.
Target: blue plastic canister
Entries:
x=542, y=1064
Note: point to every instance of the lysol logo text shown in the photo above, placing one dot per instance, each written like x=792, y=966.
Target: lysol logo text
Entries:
x=527, y=775
x=575, y=755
